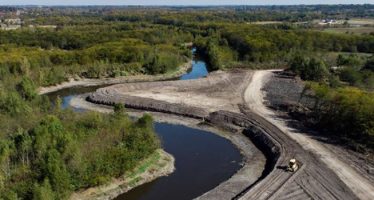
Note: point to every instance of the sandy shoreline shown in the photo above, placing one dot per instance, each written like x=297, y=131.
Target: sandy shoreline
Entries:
x=110, y=81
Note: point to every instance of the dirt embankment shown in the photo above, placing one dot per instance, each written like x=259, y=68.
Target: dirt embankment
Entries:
x=362, y=187
x=288, y=92
x=85, y=82
x=219, y=91
x=239, y=94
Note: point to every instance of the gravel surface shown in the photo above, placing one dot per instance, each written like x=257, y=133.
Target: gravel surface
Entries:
x=286, y=92
x=362, y=187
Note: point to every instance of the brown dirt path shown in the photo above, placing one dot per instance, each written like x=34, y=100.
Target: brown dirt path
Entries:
x=254, y=96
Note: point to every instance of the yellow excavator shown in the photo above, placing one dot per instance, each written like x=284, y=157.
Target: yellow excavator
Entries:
x=292, y=165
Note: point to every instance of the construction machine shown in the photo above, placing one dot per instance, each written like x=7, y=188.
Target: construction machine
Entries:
x=292, y=165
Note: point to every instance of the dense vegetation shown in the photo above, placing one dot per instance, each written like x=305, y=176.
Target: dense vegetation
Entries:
x=254, y=46
x=344, y=106
x=180, y=15
x=50, y=57
x=59, y=154
x=346, y=113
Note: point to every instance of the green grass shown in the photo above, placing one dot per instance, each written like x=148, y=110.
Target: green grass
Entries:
x=353, y=30
x=144, y=165
x=135, y=181
x=361, y=21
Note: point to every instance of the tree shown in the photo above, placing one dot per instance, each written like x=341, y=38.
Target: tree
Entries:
x=56, y=172
x=213, y=55
x=146, y=121
x=316, y=70
x=23, y=144
x=119, y=108
x=43, y=191
x=311, y=69
x=13, y=104
x=27, y=89
x=298, y=64
x=370, y=64
x=350, y=75
x=5, y=170
x=351, y=61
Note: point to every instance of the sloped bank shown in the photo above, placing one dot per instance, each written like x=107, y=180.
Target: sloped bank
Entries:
x=233, y=122
x=150, y=105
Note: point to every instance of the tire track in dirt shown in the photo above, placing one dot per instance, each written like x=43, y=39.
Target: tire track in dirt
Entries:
x=361, y=187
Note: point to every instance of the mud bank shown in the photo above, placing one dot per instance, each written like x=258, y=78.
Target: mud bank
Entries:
x=235, y=123
x=159, y=164
x=253, y=131
x=241, y=124
x=254, y=160
x=150, y=105
x=84, y=82
x=234, y=100
x=221, y=90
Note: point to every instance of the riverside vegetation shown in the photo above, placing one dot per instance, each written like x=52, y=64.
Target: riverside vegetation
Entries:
x=47, y=153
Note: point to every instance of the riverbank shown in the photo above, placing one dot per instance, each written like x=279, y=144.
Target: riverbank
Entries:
x=158, y=164
x=254, y=160
x=235, y=99
x=85, y=82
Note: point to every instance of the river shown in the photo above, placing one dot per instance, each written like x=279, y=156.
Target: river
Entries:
x=202, y=159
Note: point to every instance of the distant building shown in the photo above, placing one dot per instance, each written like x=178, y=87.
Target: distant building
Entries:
x=328, y=22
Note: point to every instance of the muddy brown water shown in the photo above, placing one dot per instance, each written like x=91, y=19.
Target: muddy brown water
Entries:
x=202, y=159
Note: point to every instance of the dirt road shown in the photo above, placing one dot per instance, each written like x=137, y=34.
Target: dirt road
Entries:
x=254, y=96
x=237, y=98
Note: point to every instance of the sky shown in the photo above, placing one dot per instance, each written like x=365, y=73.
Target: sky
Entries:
x=180, y=2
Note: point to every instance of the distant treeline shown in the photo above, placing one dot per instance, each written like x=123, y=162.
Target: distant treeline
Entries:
x=244, y=13
x=252, y=45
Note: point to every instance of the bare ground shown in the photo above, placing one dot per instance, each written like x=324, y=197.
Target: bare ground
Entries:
x=323, y=174
x=219, y=91
x=361, y=186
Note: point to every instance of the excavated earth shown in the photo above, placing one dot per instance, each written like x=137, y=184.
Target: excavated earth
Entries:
x=234, y=101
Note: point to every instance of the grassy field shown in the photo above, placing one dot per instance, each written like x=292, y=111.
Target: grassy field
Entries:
x=266, y=22
x=351, y=30
x=361, y=21
x=354, y=26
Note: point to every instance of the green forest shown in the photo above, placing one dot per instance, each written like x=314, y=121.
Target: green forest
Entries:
x=47, y=153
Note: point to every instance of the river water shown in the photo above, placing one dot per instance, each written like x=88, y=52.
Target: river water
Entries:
x=202, y=159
